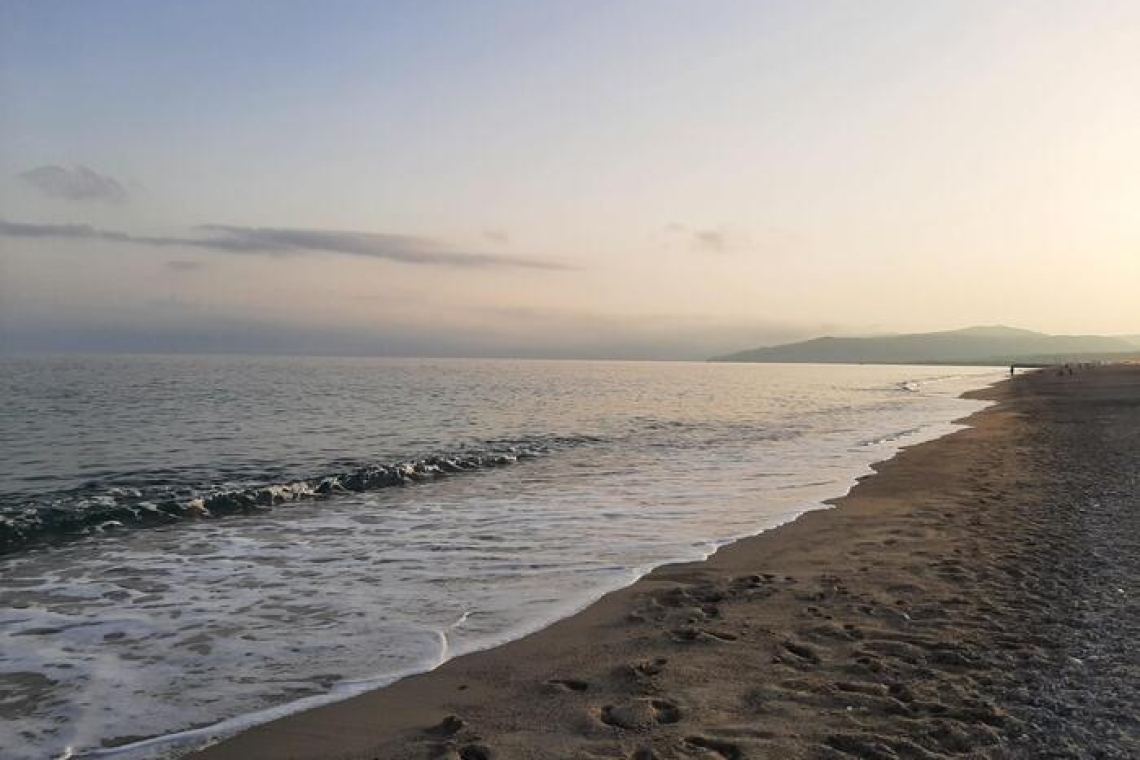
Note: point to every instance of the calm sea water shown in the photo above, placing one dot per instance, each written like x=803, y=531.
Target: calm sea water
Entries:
x=191, y=545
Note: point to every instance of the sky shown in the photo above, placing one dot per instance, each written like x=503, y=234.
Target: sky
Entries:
x=619, y=179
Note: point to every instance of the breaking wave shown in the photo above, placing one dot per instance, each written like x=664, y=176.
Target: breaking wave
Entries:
x=92, y=510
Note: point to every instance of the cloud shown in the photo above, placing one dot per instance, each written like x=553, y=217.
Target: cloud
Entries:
x=728, y=239
x=403, y=248
x=80, y=232
x=497, y=236
x=710, y=240
x=78, y=183
x=279, y=241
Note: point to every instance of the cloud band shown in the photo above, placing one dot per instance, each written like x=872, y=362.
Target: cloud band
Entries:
x=279, y=241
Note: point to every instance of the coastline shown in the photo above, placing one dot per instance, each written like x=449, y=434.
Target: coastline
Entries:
x=849, y=632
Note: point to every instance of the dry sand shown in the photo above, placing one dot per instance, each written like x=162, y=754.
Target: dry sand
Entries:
x=975, y=598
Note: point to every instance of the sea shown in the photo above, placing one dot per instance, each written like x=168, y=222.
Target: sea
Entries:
x=193, y=545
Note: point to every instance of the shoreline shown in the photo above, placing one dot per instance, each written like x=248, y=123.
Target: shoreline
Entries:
x=635, y=673
x=189, y=741
x=233, y=664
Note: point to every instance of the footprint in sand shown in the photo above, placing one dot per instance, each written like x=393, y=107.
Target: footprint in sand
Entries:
x=643, y=753
x=449, y=726
x=650, y=667
x=475, y=752
x=691, y=635
x=802, y=651
x=569, y=684
x=718, y=747
x=747, y=583
x=860, y=746
x=640, y=714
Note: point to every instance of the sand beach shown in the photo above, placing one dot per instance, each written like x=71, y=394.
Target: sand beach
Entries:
x=976, y=597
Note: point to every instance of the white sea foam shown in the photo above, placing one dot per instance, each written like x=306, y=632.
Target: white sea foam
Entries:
x=162, y=639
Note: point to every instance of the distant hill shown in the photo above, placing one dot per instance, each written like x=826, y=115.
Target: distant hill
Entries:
x=997, y=345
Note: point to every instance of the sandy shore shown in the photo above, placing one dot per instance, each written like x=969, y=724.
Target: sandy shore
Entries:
x=977, y=597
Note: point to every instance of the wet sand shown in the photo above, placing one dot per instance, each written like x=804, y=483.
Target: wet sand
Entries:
x=977, y=597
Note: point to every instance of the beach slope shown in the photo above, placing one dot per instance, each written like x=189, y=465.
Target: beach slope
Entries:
x=976, y=597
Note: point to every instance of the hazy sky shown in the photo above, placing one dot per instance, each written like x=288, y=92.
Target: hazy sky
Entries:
x=562, y=178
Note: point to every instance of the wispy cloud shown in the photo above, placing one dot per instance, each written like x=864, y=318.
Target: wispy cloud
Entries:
x=279, y=241
x=76, y=183
x=710, y=240
x=82, y=232
x=497, y=236
x=730, y=239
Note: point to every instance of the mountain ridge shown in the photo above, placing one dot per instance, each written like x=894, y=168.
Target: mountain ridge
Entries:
x=982, y=344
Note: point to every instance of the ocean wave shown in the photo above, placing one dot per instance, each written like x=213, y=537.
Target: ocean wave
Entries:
x=90, y=511
x=897, y=435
